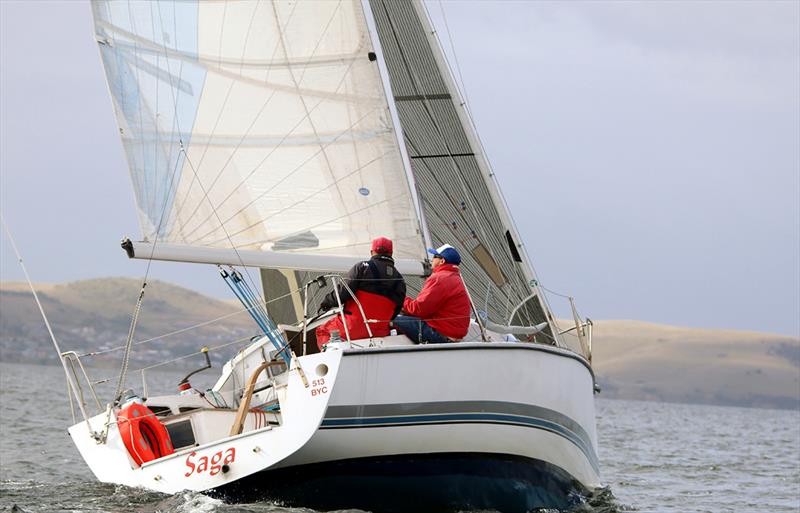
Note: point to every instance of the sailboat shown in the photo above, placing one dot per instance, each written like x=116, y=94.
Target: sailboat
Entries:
x=284, y=136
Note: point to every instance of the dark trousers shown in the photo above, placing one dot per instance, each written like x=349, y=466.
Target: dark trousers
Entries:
x=418, y=330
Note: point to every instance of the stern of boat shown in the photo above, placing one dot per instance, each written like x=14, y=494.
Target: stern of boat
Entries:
x=207, y=452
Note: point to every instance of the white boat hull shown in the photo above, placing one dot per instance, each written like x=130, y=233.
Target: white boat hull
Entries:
x=508, y=426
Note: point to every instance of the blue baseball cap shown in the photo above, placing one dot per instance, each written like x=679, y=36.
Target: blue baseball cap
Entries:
x=447, y=252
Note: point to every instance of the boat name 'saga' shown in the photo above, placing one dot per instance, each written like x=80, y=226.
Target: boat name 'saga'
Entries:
x=217, y=461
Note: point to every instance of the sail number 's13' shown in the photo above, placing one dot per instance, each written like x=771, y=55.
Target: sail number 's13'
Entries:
x=318, y=387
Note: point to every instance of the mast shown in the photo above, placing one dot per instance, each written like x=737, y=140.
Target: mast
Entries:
x=398, y=127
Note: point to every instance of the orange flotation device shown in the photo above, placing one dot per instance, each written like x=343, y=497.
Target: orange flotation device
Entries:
x=143, y=434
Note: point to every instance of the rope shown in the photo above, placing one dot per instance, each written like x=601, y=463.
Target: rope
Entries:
x=123, y=372
x=259, y=313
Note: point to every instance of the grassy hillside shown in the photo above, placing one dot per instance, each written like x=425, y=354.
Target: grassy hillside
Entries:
x=632, y=360
x=96, y=314
x=638, y=360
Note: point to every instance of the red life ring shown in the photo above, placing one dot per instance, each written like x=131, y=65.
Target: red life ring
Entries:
x=143, y=434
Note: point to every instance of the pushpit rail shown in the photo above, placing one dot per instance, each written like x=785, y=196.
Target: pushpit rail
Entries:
x=321, y=281
x=69, y=359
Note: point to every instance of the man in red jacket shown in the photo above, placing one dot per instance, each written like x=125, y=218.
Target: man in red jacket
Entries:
x=441, y=311
x=379, y=288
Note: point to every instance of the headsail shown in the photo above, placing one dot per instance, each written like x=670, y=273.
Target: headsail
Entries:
x=259, y=126
x=461, y=202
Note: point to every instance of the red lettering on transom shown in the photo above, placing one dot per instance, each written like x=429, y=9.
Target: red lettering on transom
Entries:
x=213, y=466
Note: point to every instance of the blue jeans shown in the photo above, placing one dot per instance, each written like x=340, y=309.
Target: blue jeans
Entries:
x=418, y=330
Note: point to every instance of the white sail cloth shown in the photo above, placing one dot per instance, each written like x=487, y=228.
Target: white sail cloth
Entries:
x=260, y=126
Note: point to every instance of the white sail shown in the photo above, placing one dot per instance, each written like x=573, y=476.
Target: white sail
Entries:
x=273, y=134
x=256, y=126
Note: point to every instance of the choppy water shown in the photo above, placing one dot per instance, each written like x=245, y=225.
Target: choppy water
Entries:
x=655, y=457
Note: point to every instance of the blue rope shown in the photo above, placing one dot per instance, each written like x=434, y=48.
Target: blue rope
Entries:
x=280, y=344
x=259, y=314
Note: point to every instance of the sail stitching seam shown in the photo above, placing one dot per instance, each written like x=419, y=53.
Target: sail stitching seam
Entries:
x=279, y=144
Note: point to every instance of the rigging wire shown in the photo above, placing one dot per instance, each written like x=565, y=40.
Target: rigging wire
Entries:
x=147, y=201
x=179, y=358
x=462, y=85
x=162, y=215
x=292, y=205
x=282, y=40
x=256, y=117
x=296, y=169
x=70, y=382
x=222, y=111
x=137, y=308
x=184, y=330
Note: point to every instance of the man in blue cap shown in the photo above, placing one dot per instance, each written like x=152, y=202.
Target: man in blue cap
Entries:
x=441, y=311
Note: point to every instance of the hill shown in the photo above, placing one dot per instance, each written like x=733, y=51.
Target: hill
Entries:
x=632, y=359
x=95, y=315
x=639, y=360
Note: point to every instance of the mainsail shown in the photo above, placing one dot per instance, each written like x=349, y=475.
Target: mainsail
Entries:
x=256, y=126
x=265, y=127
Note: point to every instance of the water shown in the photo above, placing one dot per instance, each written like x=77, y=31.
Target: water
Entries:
x=655, y=457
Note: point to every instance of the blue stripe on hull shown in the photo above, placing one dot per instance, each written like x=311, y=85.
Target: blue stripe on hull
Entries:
x=414, y=483
x=458, y=412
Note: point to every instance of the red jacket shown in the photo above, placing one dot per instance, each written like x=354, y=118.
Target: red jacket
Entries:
x=376, y=307
x=443, y=302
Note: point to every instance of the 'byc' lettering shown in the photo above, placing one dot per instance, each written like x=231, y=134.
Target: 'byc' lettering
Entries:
x=213, y=466
x=319, y=391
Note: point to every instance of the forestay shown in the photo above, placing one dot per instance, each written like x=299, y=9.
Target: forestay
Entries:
x=259, y=126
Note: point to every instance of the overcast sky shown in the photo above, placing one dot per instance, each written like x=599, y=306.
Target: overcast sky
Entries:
x=649, y=151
